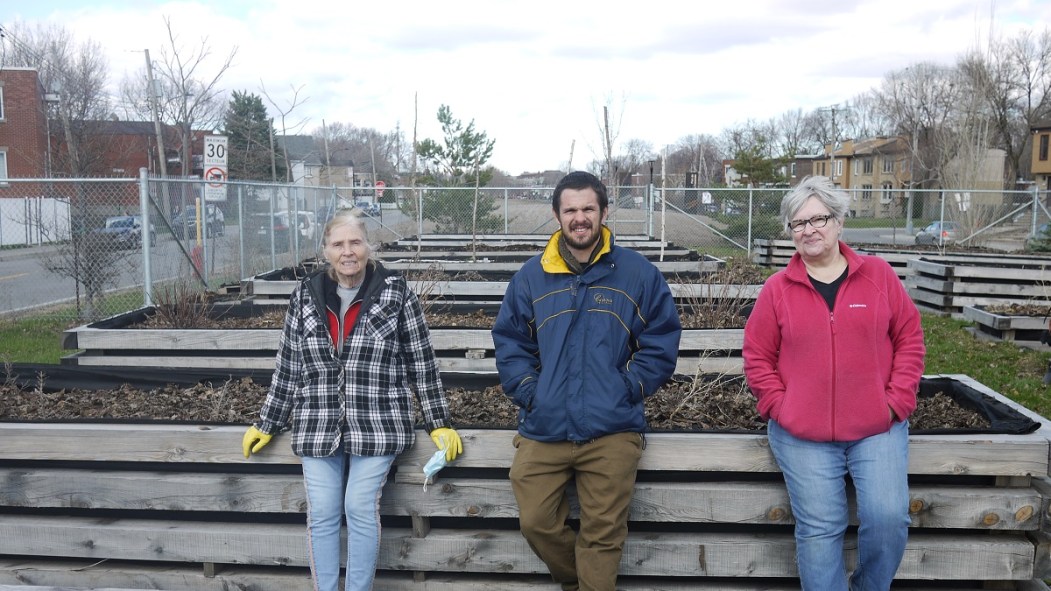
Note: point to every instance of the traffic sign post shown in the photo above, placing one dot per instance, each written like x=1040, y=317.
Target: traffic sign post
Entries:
x=215, y=172
x=380, y=185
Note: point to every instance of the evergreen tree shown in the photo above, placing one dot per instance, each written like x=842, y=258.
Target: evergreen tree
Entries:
x=458, y=163
x=248, y=128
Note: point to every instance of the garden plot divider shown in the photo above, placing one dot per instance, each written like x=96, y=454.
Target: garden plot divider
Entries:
x=178, y=507
x=946, y=285
x=116, y=341
x=1022, y=330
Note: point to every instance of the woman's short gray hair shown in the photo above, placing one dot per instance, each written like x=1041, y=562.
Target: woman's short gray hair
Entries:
x=819, y=187
x=348, y=217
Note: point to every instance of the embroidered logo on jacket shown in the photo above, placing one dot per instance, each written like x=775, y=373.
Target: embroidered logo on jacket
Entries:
x=603, y=299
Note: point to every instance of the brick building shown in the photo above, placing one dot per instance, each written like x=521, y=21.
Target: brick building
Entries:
x=23, y=124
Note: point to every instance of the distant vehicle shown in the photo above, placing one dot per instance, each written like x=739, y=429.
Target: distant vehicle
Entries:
x=939, y=233
x=125, y=231
x=367, y=207
x=276, y=228
x=185, y=222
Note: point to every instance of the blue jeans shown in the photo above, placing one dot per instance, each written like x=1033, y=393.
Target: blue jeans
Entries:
x=337, y=485
x=815, y=473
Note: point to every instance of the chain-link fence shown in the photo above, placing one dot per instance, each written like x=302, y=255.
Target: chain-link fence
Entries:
x=85, y=249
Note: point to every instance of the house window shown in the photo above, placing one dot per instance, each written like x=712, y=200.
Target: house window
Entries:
x=888, y=165
x=886, y=194
x=2, y=112
x=866, y=192
x=839, y=168
x=792, y=168
x=1043, y=145
x=866, y=166
x=3, y=167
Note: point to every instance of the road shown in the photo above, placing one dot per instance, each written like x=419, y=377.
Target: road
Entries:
x=26, y=284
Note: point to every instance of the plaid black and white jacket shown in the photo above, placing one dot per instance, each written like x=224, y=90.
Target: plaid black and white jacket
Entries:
x=362, y=396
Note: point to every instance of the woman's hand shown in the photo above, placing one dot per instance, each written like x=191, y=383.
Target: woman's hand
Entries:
x=449, y=440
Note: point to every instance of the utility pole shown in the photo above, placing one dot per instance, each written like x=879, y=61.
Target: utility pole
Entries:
x=162, y=157
x=832, y=146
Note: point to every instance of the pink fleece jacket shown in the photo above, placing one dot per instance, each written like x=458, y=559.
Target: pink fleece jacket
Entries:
x=830, y=376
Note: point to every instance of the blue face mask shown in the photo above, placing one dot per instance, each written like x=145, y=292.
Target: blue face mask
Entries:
x=433, y=466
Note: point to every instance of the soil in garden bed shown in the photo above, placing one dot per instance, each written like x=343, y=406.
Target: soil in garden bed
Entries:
x=682, y=405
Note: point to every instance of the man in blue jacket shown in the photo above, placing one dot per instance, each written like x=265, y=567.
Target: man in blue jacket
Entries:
x=586, y=331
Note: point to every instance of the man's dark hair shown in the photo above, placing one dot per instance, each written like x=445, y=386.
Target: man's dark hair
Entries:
x=580, y=180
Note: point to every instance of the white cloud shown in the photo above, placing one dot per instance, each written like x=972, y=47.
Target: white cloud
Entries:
x=534, y=75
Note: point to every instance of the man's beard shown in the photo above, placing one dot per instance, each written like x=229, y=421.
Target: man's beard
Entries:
x=585, y=244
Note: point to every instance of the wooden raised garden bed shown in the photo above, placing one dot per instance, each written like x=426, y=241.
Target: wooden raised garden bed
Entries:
x=118, y=341
x=945, y=286
x=994, y=323
x=178, y=507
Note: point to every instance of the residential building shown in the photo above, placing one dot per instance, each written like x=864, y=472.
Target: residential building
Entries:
x=1041, y=162
x=23, y=124
x=878, y=176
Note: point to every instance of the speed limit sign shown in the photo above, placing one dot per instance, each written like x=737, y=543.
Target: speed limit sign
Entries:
x=215, y=167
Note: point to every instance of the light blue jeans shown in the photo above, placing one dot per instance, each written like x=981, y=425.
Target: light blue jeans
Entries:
x=815, y=473
x=338, y=485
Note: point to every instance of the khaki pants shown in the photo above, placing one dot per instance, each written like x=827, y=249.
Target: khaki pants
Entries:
x=604, y=470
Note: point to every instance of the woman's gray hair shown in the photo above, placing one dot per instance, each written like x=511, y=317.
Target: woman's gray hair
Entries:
x=819, y=187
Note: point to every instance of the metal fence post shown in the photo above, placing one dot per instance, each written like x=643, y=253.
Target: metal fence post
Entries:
x=241, y=230
x=144, y=237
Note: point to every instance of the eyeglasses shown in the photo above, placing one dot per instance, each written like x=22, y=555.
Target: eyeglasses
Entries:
x=818, y=221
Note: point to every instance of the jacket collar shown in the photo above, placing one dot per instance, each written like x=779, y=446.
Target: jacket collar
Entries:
x=323, y=288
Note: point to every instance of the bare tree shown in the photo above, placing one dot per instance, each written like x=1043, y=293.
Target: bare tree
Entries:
x=699, y=154
x=77, y=73
x=285, y=113
x=1013, y=79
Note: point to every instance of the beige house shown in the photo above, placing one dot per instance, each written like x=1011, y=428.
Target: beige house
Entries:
x=1041, y=164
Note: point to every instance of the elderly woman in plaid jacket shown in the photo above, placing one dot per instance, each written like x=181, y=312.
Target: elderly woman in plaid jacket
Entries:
x=354, y=351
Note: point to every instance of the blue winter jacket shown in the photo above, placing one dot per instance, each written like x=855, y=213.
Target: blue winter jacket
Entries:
x=579, y=353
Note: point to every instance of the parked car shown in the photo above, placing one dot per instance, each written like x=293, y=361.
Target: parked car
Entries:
x=184, y=223
x=125, y=231
x=939, y=233
x=368, y=207
x=276, y=228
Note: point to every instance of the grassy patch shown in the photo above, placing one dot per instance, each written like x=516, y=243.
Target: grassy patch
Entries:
x=1016, y=372
x=35, y=339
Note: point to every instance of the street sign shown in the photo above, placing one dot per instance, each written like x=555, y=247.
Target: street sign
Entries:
x=215, y=171
x=380, y=185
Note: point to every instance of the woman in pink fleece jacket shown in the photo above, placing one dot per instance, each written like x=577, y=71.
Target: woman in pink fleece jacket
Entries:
x=833, y=351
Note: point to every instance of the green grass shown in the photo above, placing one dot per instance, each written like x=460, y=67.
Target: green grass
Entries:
x=37, y=338
x=34, y=339
x=1016, y=372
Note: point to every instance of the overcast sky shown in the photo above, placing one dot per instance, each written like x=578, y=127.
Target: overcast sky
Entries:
x=534, y=75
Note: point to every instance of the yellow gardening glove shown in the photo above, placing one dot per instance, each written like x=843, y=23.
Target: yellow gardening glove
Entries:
x=449, y=440
x=254, y=440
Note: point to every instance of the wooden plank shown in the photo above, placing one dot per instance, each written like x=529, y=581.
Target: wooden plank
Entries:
x=982, y=454
x=980, y=315
x=93, y=359
x=66, y=575
x=177, y=339
x=497, y=289
x=440, y=256
x=1007, y=556
x=685, y=365
x=948, y=506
